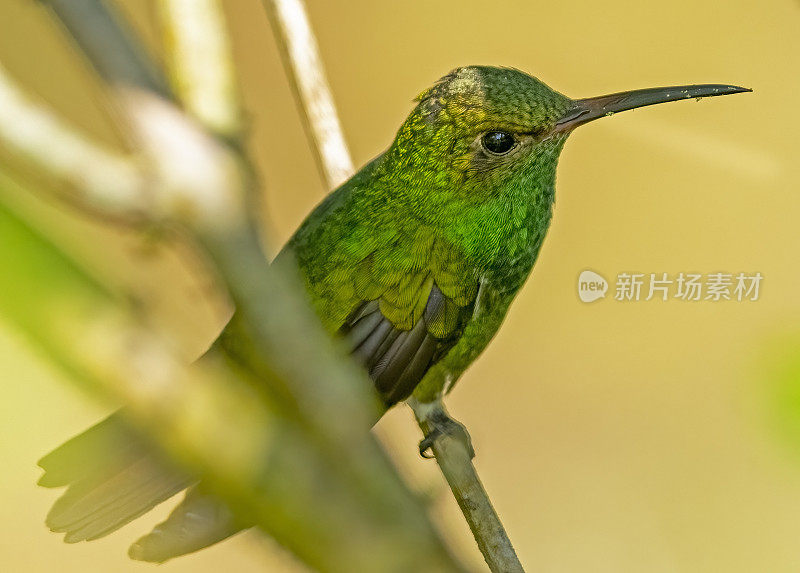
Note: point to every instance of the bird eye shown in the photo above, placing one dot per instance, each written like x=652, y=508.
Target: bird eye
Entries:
x=498, y=142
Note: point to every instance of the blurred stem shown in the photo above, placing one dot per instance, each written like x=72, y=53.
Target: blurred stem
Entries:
x=301, y=58
x=114, y=53
x=197, y=181
x=93, y=175
x=200, y=63
x=313, y=95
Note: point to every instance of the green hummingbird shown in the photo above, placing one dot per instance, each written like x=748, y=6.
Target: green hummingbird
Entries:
x=413, y=263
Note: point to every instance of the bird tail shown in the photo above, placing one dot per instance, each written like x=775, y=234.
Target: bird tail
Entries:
x=112, y=477
x=198, y=521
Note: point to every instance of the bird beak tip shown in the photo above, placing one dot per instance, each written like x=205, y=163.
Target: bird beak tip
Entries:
x=589, y=109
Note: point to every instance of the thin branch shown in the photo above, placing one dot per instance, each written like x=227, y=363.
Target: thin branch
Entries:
x=299, y=47
x=305, y=69
x=455, y=460
x=200, y=63
x=94, y=25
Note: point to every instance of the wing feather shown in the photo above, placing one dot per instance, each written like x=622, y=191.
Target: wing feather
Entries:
x=397, y=358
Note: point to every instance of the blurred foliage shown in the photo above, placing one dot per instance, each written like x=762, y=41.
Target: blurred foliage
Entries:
x=42, y=291
x=781, y=366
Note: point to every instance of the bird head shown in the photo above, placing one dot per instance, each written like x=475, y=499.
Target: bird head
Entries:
x=481, y=130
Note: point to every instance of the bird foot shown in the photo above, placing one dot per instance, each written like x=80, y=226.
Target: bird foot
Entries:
x=442, y=426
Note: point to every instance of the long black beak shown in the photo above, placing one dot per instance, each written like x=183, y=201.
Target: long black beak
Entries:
x=589, y=109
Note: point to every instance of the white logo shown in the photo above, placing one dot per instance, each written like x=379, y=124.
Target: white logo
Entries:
x=591, y=286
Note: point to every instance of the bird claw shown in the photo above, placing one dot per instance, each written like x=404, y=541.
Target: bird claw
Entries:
x=426, y=444
x=443, y=426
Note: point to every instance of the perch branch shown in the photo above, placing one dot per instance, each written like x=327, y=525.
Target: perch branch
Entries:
x=455, y=460
x=307, y=76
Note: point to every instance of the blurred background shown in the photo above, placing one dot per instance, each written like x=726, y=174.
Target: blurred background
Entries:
x=639, y=436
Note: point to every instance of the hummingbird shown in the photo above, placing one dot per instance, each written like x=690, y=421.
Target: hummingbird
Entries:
x=412, y=263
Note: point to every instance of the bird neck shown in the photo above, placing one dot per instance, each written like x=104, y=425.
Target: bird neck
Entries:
x=501, y=236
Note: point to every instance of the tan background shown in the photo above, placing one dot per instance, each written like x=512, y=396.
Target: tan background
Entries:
x=613, y=437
